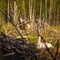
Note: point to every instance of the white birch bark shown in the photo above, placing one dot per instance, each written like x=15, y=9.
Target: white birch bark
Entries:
x=15, y=12
x=30, y=13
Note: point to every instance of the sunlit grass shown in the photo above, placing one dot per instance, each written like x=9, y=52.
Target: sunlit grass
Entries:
x=48, y=34
x=6, y=28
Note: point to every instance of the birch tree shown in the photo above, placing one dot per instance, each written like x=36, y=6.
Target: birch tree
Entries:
x=23, y=8
x=30, y=12
x=15, y=12
x=30, y=9
x=46, y=9
x=8, y=11
x=50, y=11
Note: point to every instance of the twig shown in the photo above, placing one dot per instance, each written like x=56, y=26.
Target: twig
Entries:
x=8, y=54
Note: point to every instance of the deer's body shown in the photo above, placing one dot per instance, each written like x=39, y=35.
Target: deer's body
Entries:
x=24, y=24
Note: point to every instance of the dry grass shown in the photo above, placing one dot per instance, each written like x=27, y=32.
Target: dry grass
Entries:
x=44, y=54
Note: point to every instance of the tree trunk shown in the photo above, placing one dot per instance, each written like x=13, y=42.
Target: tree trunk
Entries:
x=15, y=13
x=30, y=13
x=23, y=9
x=50, y=11
x=40, y=19
x=40, y=9
x=30, y=9
x=8, y=12
x=46, y=9
x=33, y=16
x=54, y=13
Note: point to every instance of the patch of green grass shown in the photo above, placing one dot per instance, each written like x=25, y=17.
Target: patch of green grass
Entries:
x=6, y=28
x=33, y=34
x=33, y=37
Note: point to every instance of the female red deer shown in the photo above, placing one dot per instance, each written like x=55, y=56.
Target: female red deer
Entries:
x=23, y=24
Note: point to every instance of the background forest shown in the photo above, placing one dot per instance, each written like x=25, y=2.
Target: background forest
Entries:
x=46, y=12
x=41, y=15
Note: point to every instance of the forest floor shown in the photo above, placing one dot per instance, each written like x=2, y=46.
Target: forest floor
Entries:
x=49, y=34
